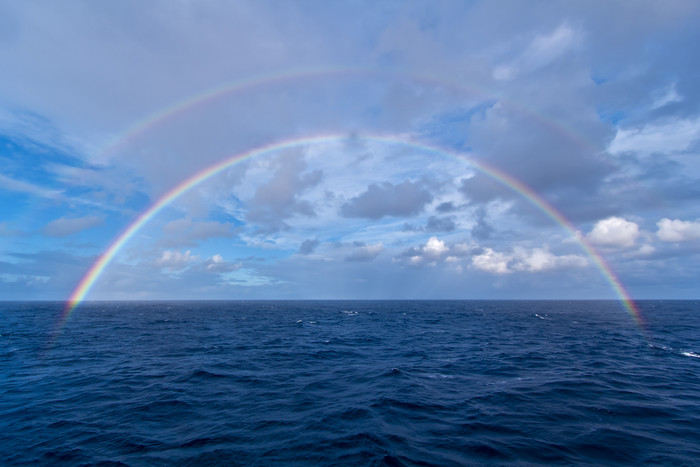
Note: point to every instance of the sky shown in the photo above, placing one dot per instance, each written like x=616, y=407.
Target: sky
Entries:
x=357, y=149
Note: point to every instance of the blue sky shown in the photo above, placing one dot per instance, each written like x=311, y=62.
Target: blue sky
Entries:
x=595, y=106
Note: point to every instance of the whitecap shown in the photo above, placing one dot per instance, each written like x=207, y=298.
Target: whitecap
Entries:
x=438, y=376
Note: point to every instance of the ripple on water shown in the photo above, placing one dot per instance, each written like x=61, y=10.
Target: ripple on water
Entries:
x=350, y=383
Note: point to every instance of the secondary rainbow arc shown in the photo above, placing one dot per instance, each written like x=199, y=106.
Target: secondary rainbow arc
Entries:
x=93, y=274
x=196, y=100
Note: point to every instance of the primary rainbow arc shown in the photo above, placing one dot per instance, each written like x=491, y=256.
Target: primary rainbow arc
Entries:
x=93, y=274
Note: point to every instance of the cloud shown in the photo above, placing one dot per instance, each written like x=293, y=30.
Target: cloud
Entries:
x=7, y=231
x=671, y=136
x=103, y=183
x=446, y=207
x=677, y=230
x=536, y=90
x=61, y=196
x=543, y=50
x=308, y=246
x=614, y=232
x=492, y=261
x=525, y=260
x=543, y=157
x=20, y=186
x=217, y=264
x=482, y=230
x=668, y=95
x=644, y=251
x=386, y=199
x=365, y=252
x=434, y=224
x=186, y=232
x=65, y=226
x=541, y=259
x=279, y=198
x=434, y=248
x=174, y=260
x=440, y=224
x=430, y=253
x=42, y=274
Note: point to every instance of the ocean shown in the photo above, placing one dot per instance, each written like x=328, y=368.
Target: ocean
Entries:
x=350, y=383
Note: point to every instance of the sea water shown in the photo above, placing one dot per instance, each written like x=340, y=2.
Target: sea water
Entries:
x=350, y=383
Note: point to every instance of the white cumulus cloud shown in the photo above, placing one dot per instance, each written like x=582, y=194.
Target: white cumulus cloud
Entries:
x=434, y=248
x=541, y=259
x=492, y=261
x=429, y=253
x=174, y=260
x=525, y=260
x=677, y=230
x=217, y=263
x=614, y=232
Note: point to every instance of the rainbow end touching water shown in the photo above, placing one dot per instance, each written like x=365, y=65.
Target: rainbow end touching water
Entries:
x=551, y=212
x=93, y=274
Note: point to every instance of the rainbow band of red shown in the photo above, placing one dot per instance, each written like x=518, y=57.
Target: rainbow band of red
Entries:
x=535, y=199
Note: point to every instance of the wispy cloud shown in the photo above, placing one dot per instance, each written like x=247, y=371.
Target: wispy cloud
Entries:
x=669, y=136
x=66, y=226
x=19, y=186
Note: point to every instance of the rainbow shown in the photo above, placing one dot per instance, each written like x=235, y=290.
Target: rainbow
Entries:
x=200, y=99
x=93, y=274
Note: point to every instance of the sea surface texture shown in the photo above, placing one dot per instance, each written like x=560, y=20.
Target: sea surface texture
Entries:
x=350, y=383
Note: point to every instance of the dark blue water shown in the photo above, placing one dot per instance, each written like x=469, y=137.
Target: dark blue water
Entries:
x=350, y=383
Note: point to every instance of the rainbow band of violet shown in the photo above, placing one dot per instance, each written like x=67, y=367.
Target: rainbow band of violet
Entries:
x=526, y=192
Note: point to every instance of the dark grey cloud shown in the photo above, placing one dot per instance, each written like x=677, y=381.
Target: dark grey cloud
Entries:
x=308, y=246
x=481, y=189
x=440, y=224
x=280, y=197
x=544, y=157
x=386, y=199
x=483, y=229
x=446, y=207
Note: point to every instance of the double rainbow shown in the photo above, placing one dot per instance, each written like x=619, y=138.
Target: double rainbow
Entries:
x=93, y=274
